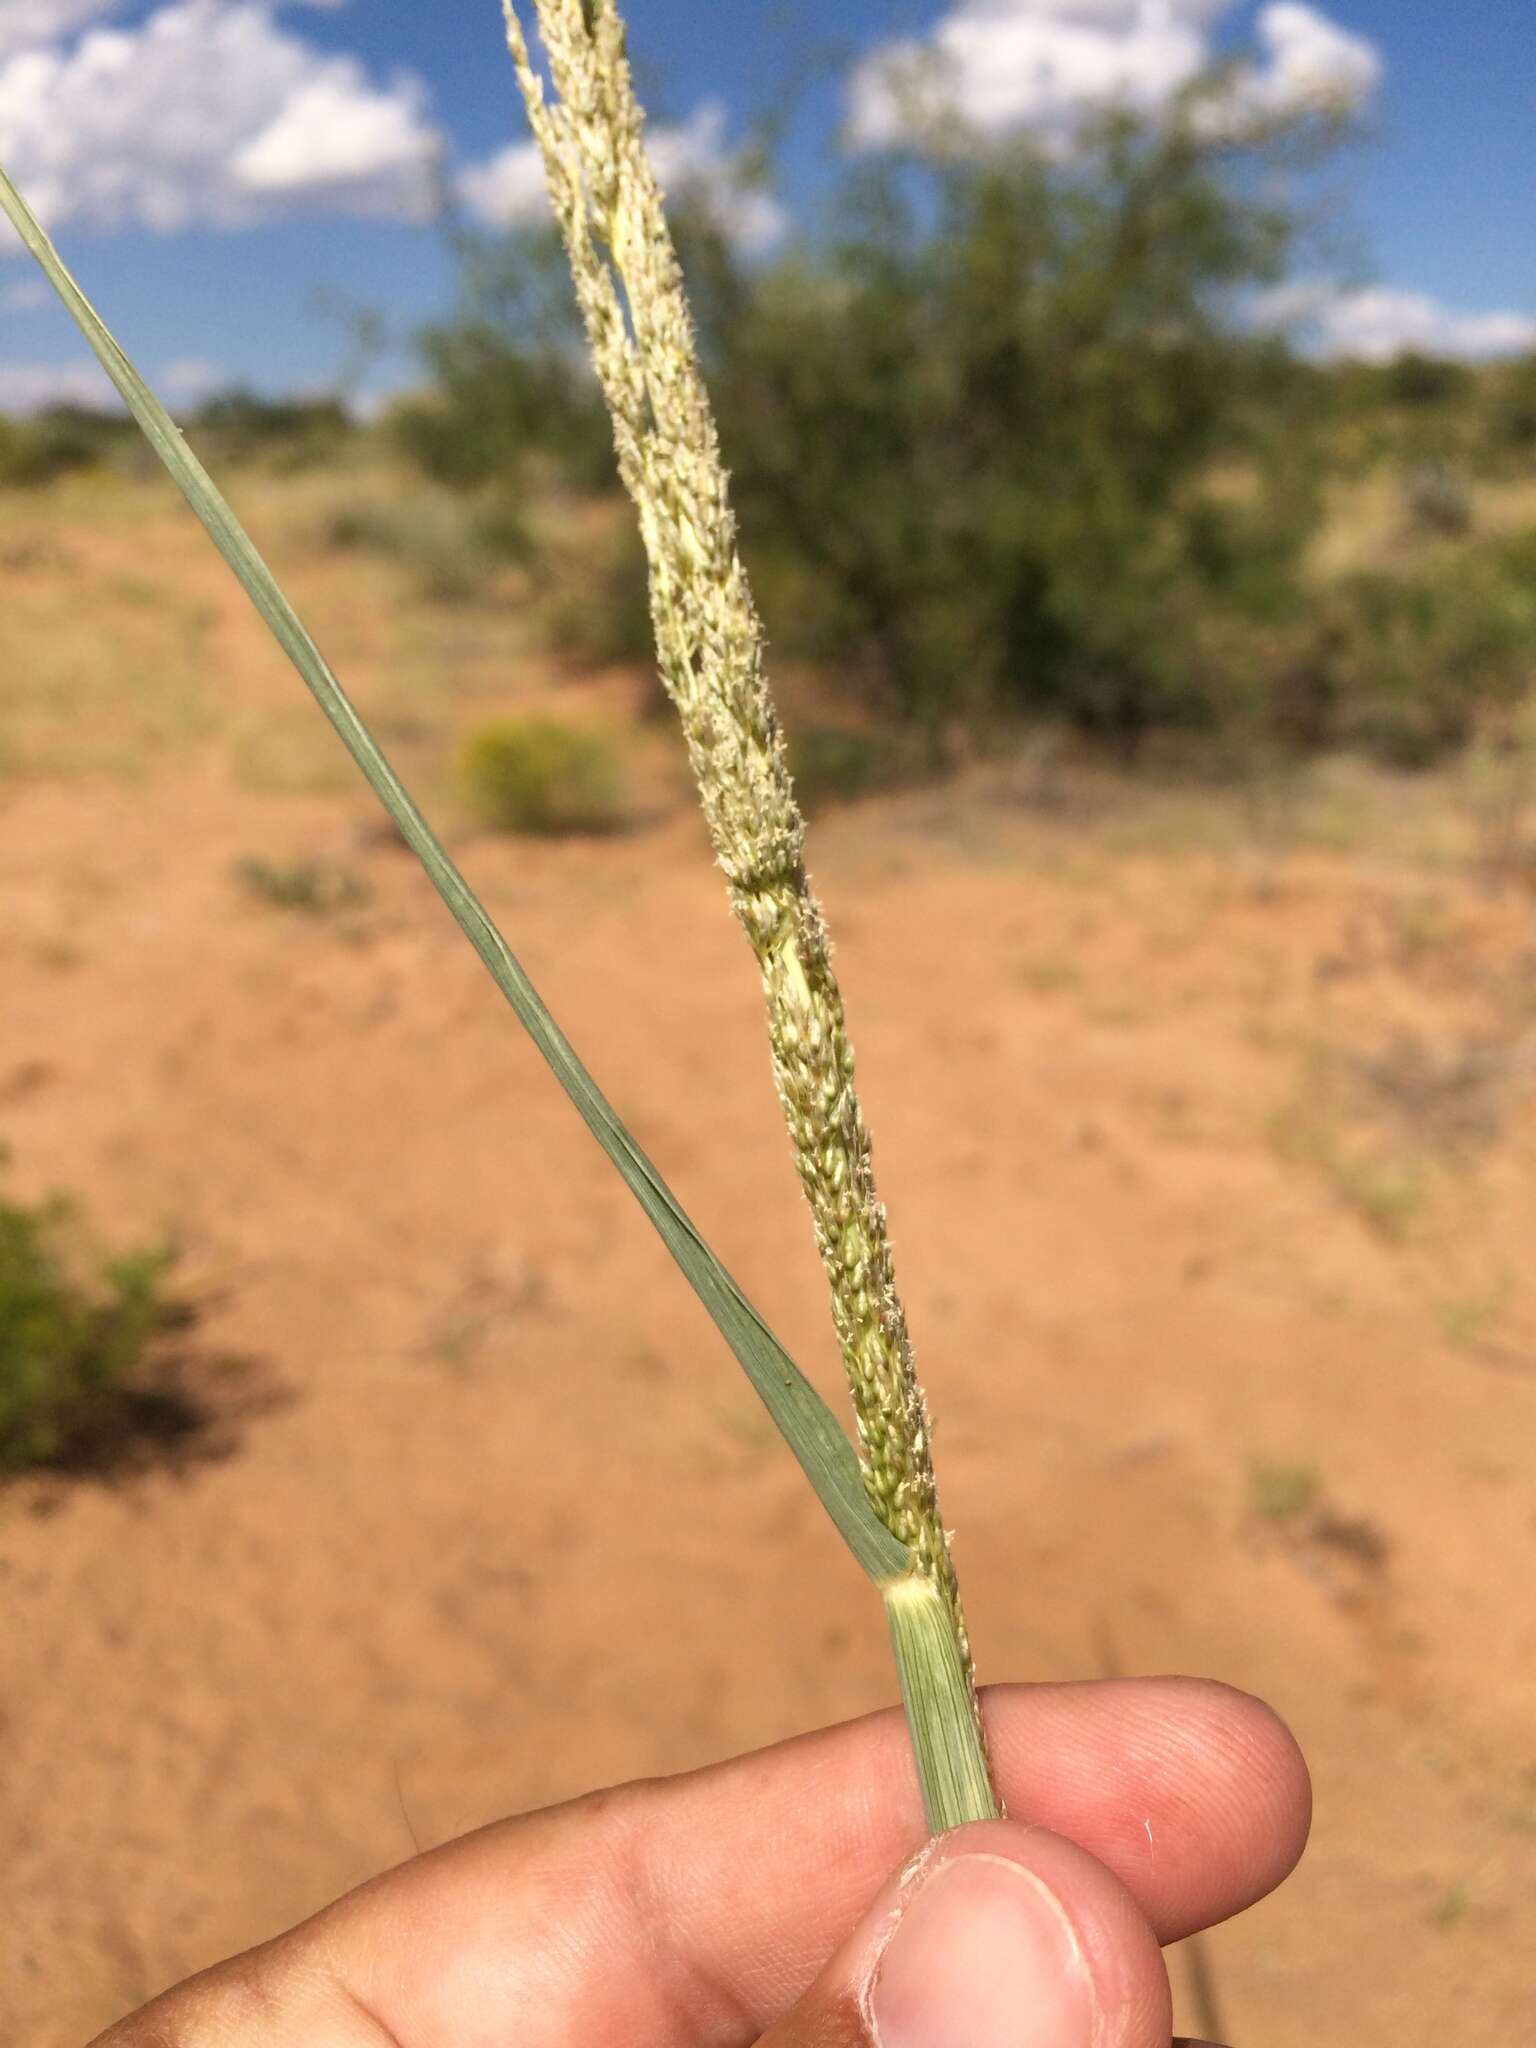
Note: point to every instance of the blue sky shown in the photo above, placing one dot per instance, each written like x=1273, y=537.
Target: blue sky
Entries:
x=219, y=170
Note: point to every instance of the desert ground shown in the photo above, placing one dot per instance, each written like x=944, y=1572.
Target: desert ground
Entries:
x=1204, y=1118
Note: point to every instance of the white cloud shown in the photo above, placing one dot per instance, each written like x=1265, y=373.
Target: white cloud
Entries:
x=1042, y=66
x=210, y=112
x=1310, y=62
x=30, y=24
x=1376, y=323
x=29, y=387
x=507, y=190
x=190, y=378
x=691, y=157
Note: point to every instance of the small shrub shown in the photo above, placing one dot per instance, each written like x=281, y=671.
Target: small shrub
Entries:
x=1282, y=1492
x=317, y=888
x=1498, y=788
x=1408, y=668
x=59, y=441
x=435, y=538
x=69, y=1346
x=537, y=774
x=1436, y=500
x=293, y=434
x=593, y=603
x=832, y=765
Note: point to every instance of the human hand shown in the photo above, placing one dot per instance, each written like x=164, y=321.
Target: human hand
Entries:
x=700, y=1912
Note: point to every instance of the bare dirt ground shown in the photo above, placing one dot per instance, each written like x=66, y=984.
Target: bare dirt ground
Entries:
x=1212, y=1165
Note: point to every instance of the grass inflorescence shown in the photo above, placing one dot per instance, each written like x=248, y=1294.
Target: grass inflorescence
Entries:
x=710, y=641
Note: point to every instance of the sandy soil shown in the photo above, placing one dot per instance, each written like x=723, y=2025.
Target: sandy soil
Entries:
x=1212, y=1182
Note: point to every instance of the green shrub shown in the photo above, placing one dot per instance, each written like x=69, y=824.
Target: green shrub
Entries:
x=998, y=445
x=1437, y=501
x=835, y=764
x=538, y=774
x=509, y=387
x=591, y=596
x=69, y=1346
x=291, y=433
x=59, y=441
x=1408, y=668
x=436, y=538
x=1282, y=1492
x=1510, y=408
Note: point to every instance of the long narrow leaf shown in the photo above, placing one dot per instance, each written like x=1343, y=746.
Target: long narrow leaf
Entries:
x=802, y=1417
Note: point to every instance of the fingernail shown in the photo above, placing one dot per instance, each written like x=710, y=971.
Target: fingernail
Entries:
x=983, y=1957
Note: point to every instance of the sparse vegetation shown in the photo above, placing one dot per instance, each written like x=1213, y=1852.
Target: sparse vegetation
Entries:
x=290, y=433
x=542, y=775
x=62, y=440
x=1283, y=1491
x=1468, y=1320
x=1451, y=1907
x=589, y=592
x=431, y=534
x=1384, y=1183
x=317, y=888
x=839, y=764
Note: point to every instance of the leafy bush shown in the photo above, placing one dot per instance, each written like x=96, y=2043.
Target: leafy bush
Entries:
x=1004, y=447
x=296, y=433
x=1409, y=667
x=1000, y=448
x=835, y=764
x=59, y=441
x=1436, y=500
x=69, y=1347
x=538, y=774
x=590, y=590
x=510, y=397
x=999, y=442
x=1511, y=407
x=435, y=537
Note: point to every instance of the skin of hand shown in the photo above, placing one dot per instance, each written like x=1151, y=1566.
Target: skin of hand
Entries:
x=788, y=1899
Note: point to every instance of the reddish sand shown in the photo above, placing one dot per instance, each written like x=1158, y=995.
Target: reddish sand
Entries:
x=492, y=1517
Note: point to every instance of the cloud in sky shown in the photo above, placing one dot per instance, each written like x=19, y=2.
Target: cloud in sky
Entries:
x=1377, y=323
x=1309, y=61
x=28, y=387
x=1042, y=66
x=691, y=157
x=189, y=378
x=210, y=113
x=29, y=24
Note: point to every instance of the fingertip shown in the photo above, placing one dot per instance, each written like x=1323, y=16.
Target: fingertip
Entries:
x=1253, y=1783
x=1193, y=1792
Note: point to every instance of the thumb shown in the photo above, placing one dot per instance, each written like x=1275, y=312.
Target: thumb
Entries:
x=997, y=1936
